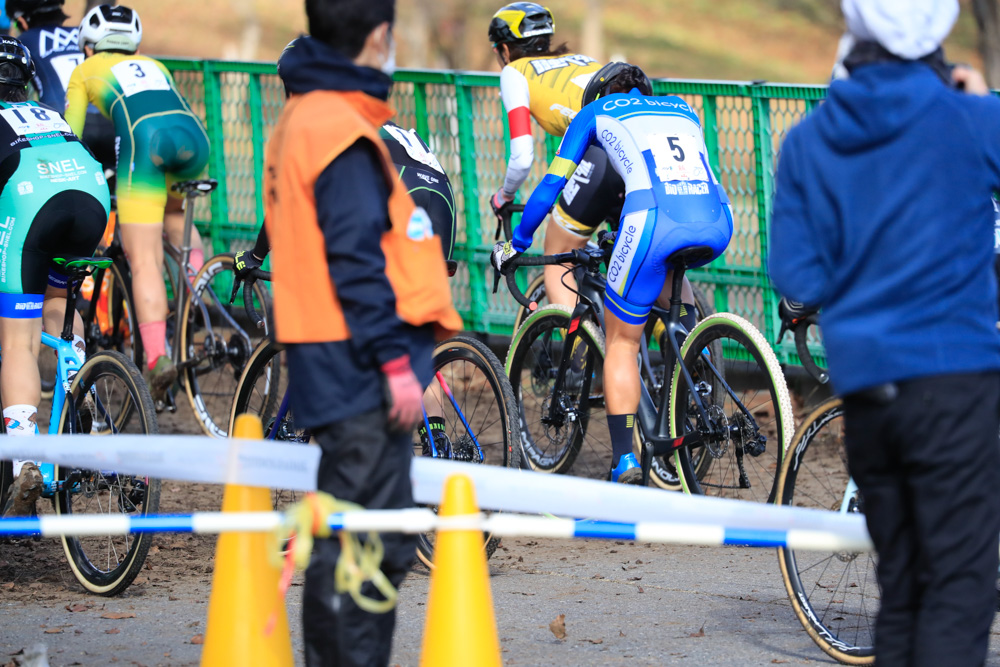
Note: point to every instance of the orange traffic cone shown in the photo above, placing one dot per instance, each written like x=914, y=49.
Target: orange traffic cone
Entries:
x=460, y=628
x=245, y=585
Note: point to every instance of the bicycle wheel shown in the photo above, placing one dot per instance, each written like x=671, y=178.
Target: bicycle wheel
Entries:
x=260, y=392
x=471, y=394
x=564, y=429
x=663, y=473
x=836, y=596
x=107, y=391
x=115, y=325
x=216, y=343
x=745, y=396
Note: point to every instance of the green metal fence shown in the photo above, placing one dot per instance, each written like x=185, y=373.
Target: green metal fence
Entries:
x=461, y=117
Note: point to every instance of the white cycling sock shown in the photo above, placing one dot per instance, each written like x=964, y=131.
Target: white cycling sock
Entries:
x=20, y=422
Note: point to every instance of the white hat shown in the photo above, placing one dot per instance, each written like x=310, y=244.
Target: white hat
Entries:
x=910, y=29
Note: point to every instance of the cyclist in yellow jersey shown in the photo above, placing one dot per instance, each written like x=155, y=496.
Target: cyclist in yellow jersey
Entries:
x=159, y=141
x=547, y=84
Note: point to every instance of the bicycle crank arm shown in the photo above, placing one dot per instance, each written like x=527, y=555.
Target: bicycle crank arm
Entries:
x=664, y=447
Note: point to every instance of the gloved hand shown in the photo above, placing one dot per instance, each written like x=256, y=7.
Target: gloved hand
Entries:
x=498, y=203
x=792, y=313
x=403, y=394
x=244, y=266
x=503, y=256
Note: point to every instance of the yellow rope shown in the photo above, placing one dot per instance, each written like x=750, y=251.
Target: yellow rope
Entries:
x=359, y=562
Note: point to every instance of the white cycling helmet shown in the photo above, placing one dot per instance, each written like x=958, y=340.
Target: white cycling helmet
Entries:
x=107, y=28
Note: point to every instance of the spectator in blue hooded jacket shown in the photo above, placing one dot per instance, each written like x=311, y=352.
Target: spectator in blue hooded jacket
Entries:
x=883, y=218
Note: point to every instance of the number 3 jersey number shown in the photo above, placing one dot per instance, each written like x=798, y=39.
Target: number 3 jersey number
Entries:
x=28, y=120
x=138, y=76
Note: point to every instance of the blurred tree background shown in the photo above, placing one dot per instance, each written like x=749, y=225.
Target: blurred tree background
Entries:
x=778, y=40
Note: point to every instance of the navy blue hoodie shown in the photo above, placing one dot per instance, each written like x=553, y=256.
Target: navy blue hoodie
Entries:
x=882, y=217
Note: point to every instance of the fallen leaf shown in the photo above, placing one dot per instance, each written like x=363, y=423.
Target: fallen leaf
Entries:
x=53, y=631
x=596, y=641
x=621, y=634
x=700, y=633
x=779, y=662
x=198, y=639
x=8, y=587
x=172, y=598
x=558, y=626
x=117, y=615
x=640, y=589
x=112, y=631
x=77, y=607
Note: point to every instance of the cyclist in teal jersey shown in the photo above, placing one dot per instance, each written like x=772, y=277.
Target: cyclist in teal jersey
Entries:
x=54, y=202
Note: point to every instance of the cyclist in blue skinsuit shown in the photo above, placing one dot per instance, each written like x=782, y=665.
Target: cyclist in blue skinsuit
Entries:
x=672, y=201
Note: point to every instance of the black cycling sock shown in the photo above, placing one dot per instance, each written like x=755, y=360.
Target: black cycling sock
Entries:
x=621, y=436
x=437, y=424
x=688, y=317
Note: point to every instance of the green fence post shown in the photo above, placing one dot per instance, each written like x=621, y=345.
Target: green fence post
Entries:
x=420, y=109
x=478, y=291
x=764, y=168
x=708, y=106
x=257, y=134
x=217, y=146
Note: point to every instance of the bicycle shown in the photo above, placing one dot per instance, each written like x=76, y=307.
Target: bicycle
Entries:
x=835, y=596
x=470, y=390
x=206, y=343
x=106, y=396
x=731, y=429
x=653, y=370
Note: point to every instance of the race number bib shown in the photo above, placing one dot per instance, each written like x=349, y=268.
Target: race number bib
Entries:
x=27, y=120
x=414, y=148
x=138, y=76
x=677, y=157
x=64, y=66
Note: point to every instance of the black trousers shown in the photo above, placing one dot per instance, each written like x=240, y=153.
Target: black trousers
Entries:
x=364, y=463
x=927, y=464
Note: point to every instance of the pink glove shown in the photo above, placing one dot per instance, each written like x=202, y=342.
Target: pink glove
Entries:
x=404, y=394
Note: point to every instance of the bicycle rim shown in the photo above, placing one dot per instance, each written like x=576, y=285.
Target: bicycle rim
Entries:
x=571, y=437
x=107, y=397
x=217, y=342
x=835, y=595
x=472, y=395
x=745, y=396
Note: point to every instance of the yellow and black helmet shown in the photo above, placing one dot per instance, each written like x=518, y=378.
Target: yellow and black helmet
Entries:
x=519, y=22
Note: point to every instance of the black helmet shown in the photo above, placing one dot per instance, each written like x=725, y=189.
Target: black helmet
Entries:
x=18, y=8
x=13, y=52
x=520, y=21
x=604, y=77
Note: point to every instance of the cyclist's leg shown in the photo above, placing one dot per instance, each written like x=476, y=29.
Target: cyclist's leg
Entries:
x=183, y=150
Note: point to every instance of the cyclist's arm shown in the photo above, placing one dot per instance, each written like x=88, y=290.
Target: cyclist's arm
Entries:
x=76, y=102
x=797, y=263
x=352, y=205
x=515, y=95
x=581, y=134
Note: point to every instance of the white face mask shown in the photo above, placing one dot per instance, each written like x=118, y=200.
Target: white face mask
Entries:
x=389, y=66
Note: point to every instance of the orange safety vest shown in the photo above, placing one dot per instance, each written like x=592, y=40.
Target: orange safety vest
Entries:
x=313, y=130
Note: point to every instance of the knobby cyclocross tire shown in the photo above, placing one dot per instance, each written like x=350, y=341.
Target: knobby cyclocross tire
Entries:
x=751, y=370
x=106, y=565
x=259, y=392
x=477, y=382
x=562, y=440
x=835, y=595
x=663, y=473
x=224, y=347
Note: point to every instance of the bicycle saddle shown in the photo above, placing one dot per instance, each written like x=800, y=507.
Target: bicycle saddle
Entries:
x=80, y=267
x=195, y=188
x=695, y=254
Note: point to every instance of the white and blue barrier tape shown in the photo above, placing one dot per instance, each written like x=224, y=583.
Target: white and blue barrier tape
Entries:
x=293, y=466
x=422, y=520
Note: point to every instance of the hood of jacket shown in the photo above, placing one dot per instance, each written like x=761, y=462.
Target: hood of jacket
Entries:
x=308, y=64
x=876, y=103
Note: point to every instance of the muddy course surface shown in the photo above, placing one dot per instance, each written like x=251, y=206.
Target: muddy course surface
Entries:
x=556, y=602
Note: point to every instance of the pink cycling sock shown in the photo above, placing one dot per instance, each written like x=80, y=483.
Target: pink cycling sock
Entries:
x=154, y=339
x=197, y=259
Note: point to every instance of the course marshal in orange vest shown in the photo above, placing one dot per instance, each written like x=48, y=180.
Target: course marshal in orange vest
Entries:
x=313, y=130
